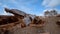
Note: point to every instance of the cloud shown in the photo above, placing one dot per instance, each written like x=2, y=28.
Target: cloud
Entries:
x=26, y=9
x=5, y=13
x=0, y=3
x=57, y=10
x=50, y=3
x=5, y=6
x=26, y=5
x=41, y=15
x=14, y=1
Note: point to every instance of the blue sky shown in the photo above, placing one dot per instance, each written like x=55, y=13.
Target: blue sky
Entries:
x=36, y=7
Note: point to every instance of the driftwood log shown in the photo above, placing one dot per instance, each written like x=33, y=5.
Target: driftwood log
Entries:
x=58, y=23
x=9, y=24
x=37, y=22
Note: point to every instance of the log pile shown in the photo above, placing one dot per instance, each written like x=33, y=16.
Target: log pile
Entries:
x=37, y=22
x=58, y=22
x=9, y=22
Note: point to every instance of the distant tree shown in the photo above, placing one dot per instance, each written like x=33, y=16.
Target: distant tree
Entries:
x=53, y=12
x=46, y=13
x=50, y=13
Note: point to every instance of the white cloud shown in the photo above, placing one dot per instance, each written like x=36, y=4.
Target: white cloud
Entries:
x=0, y=3
x=26, y=9
x=5, y=13
x=57, y=10
x=41, y=15
x=23, y=5
x=4, y=6
x=45, y=2
x=14, y=1
x=50, y=3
